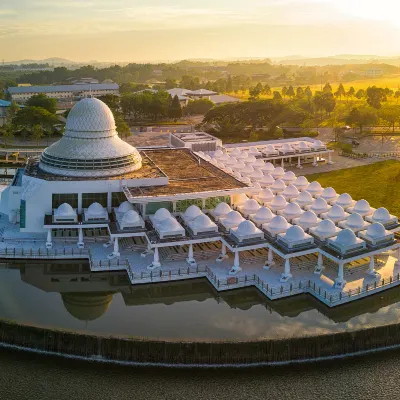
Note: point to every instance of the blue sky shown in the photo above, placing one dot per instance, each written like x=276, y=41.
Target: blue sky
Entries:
x=134, y=30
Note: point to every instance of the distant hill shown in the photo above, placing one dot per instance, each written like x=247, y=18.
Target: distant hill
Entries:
x=52, y=61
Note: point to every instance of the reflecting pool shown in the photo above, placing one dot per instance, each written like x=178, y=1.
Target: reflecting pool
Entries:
x=69, y=296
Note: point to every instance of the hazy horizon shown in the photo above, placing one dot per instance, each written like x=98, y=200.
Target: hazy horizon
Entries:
x=147, y=30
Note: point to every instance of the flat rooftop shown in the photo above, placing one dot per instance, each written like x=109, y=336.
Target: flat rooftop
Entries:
x=194, y=137
x=186, y=175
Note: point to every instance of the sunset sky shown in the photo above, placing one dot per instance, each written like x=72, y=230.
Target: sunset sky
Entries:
x=140, y=30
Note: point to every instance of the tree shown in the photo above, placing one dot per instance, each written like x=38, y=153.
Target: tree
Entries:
x=324, y=101
x=122, y=127
x=360, y=94
x=254, y=92
x=361, y=117
x=397, y=95
x=267, y=90
x=37, y=133
x=42, y=101
x=290, y=92
x=170, y=83
x=7, y=133
x=299, y=92
x=229, y=84
x=351, y=92
x=284, y=91
x=12, y=111
x=27, y=117
x=277, y=96
x=308, y=92
x=198, y=107
x=375, y=96
x=340, y=92
x=327, y=88
x=111, y=100
x=175, y=109
x=190, y=82
x=390, y=114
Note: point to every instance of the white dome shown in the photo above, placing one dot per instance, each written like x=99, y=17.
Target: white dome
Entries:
x=295, y=233
x=234, y=217
x=202, y=221
x=304, y=197
x=286, y=148
x=344, y=200
x=270, y=148
x=266, y=195
x=240, y=199
x=317, y=143
x=314, y=187
x=161, y=214
x=291, y=190
x=192, y=212
x=319, y=204
x=237, y=175
x=214, y=161
x=292, y=210
x=278, y=201
x=130, y=217
x=224, y=158
x=207, y=157
x=246, y=228
x=301, y=182
x=170, y=224
x=257, y=175
x=236, y=152
x=64, y=210
x=308, y=217
x=222, y=209
x=278, y=172
x=355, y=221
x=303, y=146
x=251, y=206
x=264, y=214
x=239, y=165
x=326, y=227
x=336, y=212
x=250, y=159
x=346, y=237
x=253, y=151
x=218, y=154
x=228, y=170
x=289, y=176
x=278, y=223
x=376, y=230
x=329, y=193
x=381, y=214
x=232, y=161
x=259, y=163
x=242, y=156
x=90, y=146
x=267, y=180
x=95, y=209
x=247, y=170
x=268, y=167
x=362, y=206
x=125, y=207
x=278, y=185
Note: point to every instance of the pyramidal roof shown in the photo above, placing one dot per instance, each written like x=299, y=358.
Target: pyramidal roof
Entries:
x=90, y=146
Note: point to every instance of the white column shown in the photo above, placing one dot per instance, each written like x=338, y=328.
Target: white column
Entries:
x=270, y=261
x=299, y=163
x=330, y=158
x=236, y=262
x=156, y=259
x=190, y=258
x=49, y=243
x=315, y=164
x=286, y=273
x=320, y=264
x=223, y=256
x=144, y=210
x=282, y=163
x=231, y=200
x=371, y=268
x=203, y=203
x=80, y=243
x=109, y=201
x=174, y=206
x=398, y=257
x=223, y=250
x=79, y=203
x=339, y=281
x=116, y=252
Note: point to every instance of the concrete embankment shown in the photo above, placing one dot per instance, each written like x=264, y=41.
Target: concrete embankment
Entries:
x=199, y=353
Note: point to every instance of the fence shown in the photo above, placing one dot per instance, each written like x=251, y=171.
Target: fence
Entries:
x=371, y=154
x=43, y=253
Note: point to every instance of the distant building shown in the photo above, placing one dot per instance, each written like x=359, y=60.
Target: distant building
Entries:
x=63, y=93
x=186, y=95
x=372, y=73
x=3, y=111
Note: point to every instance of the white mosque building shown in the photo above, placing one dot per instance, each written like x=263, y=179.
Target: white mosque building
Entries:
x=222, y=211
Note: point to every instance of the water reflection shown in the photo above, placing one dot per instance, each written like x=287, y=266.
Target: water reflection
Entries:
x=70, y=296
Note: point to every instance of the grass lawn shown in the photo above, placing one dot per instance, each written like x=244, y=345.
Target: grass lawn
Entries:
x=378, y=183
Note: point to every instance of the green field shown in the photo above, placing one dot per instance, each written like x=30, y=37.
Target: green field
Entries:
x=378, y=183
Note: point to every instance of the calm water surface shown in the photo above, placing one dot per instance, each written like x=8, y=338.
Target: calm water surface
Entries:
x=70, y=297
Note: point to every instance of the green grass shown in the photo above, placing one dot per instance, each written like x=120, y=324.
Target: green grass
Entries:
x=377, y=183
